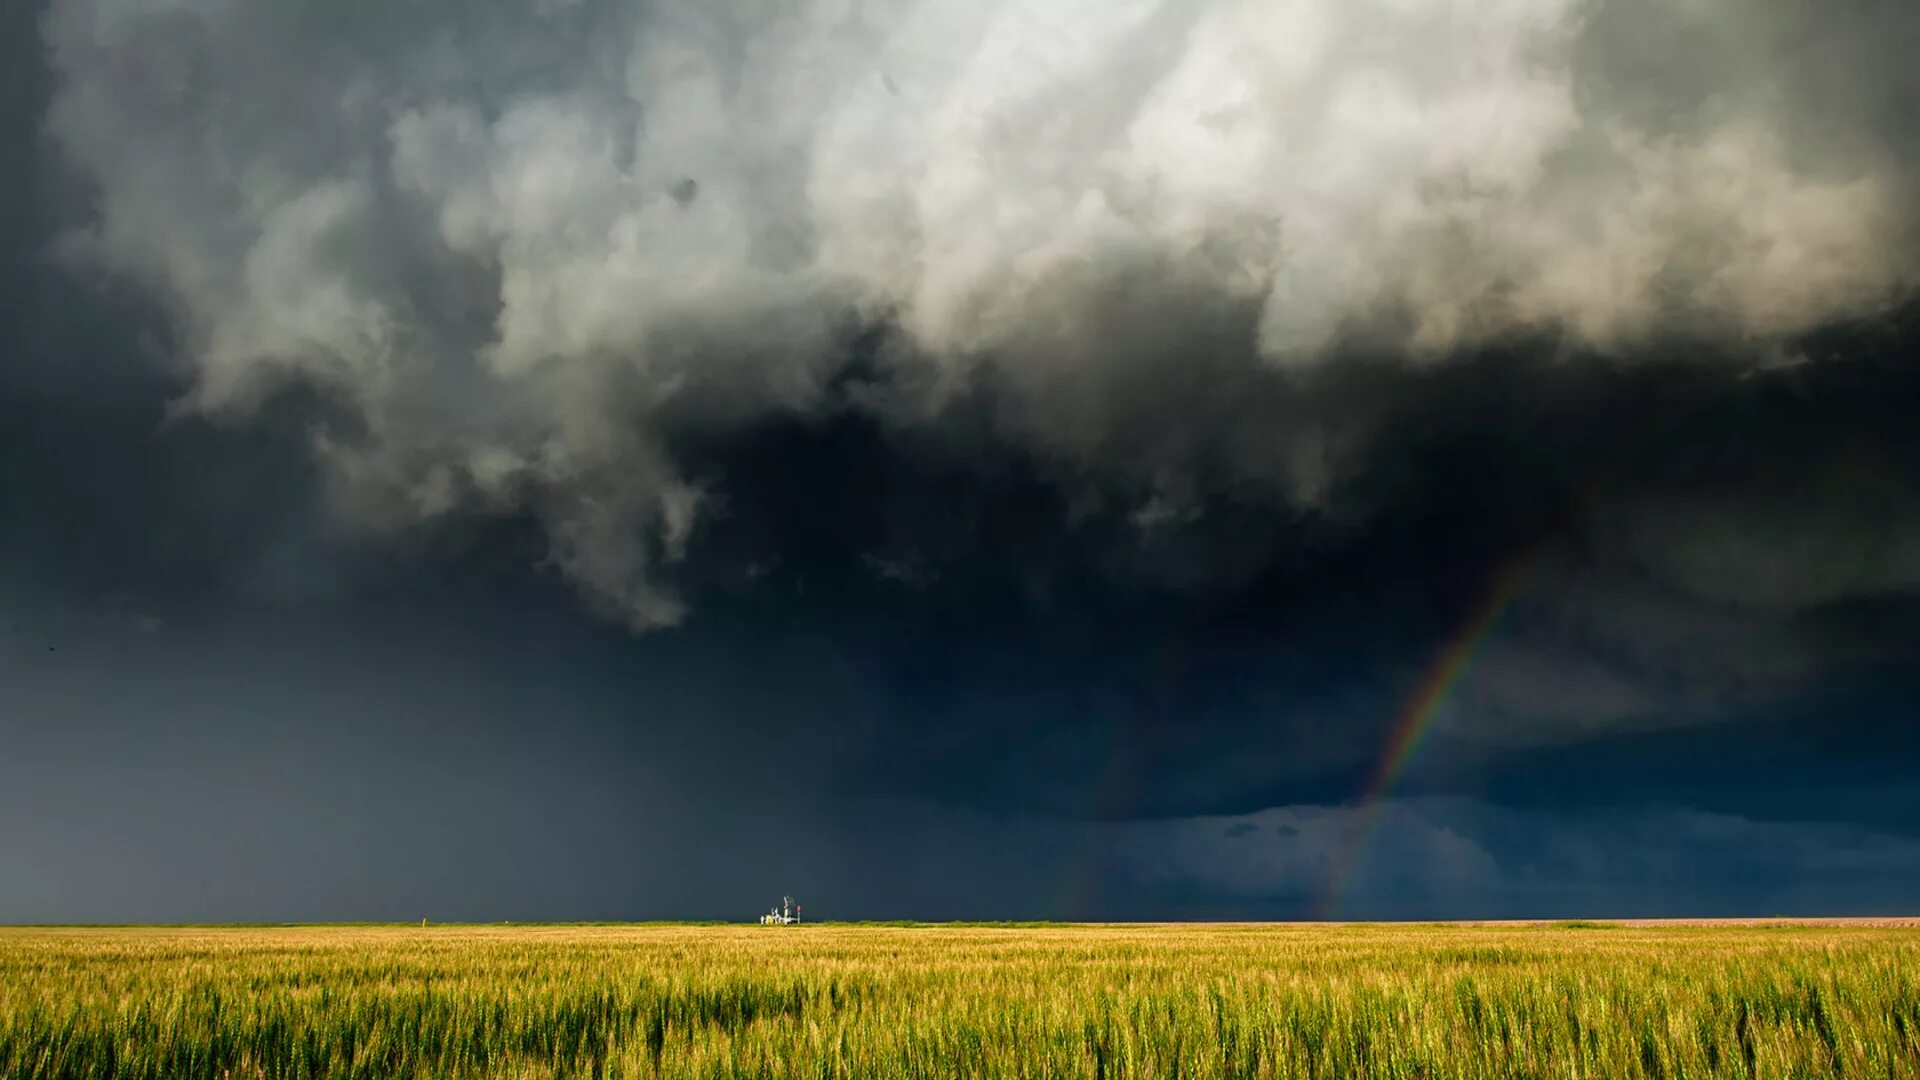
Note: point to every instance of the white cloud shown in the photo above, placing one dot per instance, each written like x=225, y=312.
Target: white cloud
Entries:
x=482, y=234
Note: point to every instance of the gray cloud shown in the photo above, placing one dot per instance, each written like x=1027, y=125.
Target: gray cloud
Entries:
x=524, y=245
x=1461, y=856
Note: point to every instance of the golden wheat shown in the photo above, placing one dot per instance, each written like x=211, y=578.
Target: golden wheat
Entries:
x=1566, y=1000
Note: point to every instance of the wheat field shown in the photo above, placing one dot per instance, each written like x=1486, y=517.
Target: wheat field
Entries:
x=1335, y=1001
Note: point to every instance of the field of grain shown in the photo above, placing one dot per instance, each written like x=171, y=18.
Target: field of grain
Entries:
x=1560, y=1000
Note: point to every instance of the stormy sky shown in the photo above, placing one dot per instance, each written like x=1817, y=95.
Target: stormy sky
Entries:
x=605, y=459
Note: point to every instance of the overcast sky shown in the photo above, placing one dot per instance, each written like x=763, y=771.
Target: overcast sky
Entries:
x=606, y=459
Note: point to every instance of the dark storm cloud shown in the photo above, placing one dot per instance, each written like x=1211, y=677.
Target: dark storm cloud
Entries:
x=484, y=252
x=1042, y=656
x=1064, y=434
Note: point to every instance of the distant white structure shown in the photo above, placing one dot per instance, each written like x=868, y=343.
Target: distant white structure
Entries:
x=786, y=914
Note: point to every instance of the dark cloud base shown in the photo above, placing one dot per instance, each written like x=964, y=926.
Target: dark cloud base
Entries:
x=878, y=616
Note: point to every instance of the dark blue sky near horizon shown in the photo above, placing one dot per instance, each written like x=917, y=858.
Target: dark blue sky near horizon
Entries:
x=415, y=501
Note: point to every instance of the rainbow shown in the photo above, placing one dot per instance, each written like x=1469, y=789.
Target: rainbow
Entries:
x=1415, y=718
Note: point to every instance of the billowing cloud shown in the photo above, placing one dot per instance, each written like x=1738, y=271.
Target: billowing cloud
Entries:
x=532, y=248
